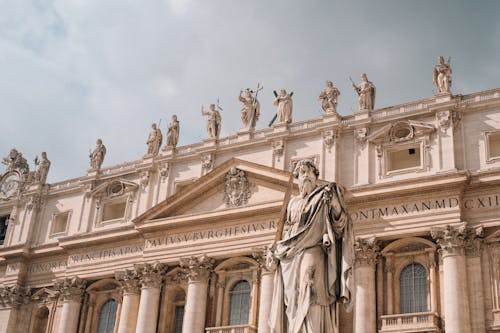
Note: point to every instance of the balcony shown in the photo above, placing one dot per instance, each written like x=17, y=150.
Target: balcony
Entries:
x=232, y=329
x=410, y=322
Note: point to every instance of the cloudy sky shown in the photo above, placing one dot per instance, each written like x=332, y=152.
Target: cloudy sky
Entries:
x=72, y=71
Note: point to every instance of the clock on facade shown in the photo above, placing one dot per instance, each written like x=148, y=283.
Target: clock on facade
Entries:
x=9, y=185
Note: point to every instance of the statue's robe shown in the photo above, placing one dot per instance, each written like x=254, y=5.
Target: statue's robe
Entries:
x=311, y=278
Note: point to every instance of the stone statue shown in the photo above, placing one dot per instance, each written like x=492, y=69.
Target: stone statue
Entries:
x=213, y=121
x=366, y=93
x=285, y=104
x=314, y=258
x=154, y=140
x=42, y=168
x=442, y=76
x=251, y=108
x=173, y=133
x=97, y=156
x=16, y=161
x=329, y=98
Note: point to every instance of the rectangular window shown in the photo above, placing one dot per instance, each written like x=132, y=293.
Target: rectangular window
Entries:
x=406, y=158
x=4, y=221
x=179, y=317
x=60, y=223
x=113, y=210
x=493, y=145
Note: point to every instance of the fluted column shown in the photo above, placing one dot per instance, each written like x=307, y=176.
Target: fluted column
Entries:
x=151, y=277
x=130, y=303
x=197, y=270
x=366, y=252
x=456, y=307
x=71, y=292
x=267, y=270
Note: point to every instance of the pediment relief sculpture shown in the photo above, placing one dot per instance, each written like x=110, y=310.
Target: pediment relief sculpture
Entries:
x=114, y=188
x=401, y=131
x=236, y=188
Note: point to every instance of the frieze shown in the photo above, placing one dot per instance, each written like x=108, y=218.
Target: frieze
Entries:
x=47, y=267
x=425, y=206
x=104, y=255
x=210, y=234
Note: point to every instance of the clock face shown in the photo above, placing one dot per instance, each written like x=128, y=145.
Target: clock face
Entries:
x=10, y=185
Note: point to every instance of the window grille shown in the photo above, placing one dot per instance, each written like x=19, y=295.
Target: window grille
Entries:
x=107, y=317
x=240, y=303
x=179, y=317
x=413, y=289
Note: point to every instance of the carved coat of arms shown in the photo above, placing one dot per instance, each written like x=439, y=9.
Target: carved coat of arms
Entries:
x=236, y=188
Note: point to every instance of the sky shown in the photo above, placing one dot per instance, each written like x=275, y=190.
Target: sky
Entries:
x=72, y=71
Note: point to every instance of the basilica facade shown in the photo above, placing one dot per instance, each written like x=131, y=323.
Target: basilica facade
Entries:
x=177, y=241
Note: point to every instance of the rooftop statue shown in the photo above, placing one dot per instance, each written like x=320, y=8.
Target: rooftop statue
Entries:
x=329, y=98
x=173, y=133
x=42, y=168
x=214, y=121
x=155, y=139
x=16, y=161
x=284, y=104
x=442, y=76
x=313, y=255
x=251, y=108
x=97, y=156
x=366, y=93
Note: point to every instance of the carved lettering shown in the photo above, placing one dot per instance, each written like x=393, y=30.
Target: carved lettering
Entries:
x=103, y=255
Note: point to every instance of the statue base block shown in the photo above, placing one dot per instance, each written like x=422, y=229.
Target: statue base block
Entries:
x=244, y=135
x=280, y=127
x=443, y=97
x=210, y=143
x=331, y=117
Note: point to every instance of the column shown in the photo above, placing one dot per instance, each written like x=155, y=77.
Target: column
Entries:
x=456, y=306
x=267, y=270
x=150, y=278
x=366, y=252
x=473, y=250
x=390, y=283
x=197, y=270
x=71, y=291
x=432, y=280
x=130, y=302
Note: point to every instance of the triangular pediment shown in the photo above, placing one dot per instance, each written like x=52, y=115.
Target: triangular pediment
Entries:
x=234, y=187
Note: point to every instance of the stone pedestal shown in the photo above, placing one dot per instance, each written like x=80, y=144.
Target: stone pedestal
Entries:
x=366, y=251
x=198, y=270
x=151, y=279
x=130, y=302
x=71, y=290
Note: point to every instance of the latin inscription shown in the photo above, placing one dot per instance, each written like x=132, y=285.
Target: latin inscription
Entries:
x=212, y=234
x=104, y=255
x=46, y=267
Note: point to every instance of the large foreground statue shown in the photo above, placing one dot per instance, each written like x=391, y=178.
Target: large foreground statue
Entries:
x=314, y=258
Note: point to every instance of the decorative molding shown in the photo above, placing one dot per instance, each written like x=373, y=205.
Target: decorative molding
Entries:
x=236, y=188
x=207, y=163
x=278, y=147
x=129, y=280
x=151, y=274
x=361, y=135
x=451, y=239
x=329, y=138
x=70, y=289
x=265, y=258
x=197, y=269
x=366, y=251
x=14, y=295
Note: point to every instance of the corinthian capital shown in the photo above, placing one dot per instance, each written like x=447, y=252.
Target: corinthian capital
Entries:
x=70, y=289
x=451, y=239
x=366, y=251
x=14, y=295
x=197, y=268
x=151, y=274
x=129, y=280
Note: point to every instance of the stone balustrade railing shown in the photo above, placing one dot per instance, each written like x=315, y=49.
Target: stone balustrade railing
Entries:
x=232, y=329
x=409, y=322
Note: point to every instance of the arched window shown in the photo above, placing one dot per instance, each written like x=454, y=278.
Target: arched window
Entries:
x=240, y=303
x=107, y=317
x=413, y=289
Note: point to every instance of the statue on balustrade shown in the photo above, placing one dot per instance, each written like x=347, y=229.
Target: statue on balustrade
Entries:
x=97, y=156
x=42, y=168
x=285, y=105
x=214, y=121
x=313, y=257
x=442, y=76
x=366, y=93
x=329, y=98
x=154, y=140
x=173, y=133
x=251, y=108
